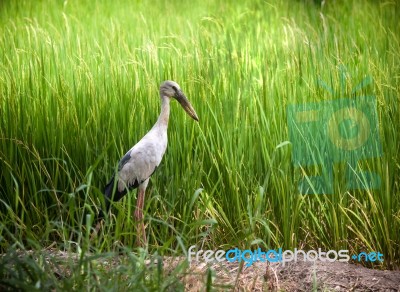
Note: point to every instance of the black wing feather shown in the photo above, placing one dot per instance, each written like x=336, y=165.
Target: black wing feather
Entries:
x=108, y=190
x=111, y=192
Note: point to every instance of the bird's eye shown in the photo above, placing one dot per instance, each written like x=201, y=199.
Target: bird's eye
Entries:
x=174, y=88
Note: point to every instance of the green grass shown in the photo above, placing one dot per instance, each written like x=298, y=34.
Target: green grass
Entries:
x=79, y=86
x=41, y=271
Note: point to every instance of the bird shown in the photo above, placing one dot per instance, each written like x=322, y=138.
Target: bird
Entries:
x=141, y=161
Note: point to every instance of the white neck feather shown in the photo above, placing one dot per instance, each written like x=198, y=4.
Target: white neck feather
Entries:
x=164, y=115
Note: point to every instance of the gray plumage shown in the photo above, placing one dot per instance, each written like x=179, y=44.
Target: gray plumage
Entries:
x=140, y=162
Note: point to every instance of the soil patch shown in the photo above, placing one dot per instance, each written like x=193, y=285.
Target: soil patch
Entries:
x=294, y=276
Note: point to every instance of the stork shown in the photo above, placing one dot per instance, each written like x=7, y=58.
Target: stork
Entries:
x=140, y=162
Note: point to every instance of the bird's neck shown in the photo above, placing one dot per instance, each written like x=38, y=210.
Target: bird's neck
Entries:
x=164, y=115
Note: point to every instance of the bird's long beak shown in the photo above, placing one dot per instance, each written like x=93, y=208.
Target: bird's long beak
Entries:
x=182, y=99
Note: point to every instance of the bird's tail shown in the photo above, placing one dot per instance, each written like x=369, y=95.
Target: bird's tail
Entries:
x=108, y=191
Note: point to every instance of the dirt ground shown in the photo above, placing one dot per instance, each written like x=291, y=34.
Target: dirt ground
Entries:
x=294, y=276
x=300, y=276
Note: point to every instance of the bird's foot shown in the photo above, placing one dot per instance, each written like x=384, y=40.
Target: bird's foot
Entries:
x=96, y=230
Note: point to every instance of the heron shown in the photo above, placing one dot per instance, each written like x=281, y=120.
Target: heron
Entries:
x=140, y=162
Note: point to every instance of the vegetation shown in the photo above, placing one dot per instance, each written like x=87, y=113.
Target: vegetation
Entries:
x=79, y=86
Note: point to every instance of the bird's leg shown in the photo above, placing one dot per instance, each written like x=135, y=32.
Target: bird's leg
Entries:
x=141, y=234
x=96, y=230
x=139, y=206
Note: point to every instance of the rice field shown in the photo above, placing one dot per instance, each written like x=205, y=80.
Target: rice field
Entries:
x=79, y=85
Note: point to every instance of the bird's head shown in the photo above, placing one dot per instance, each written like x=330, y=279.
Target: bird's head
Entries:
x=172, y=89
